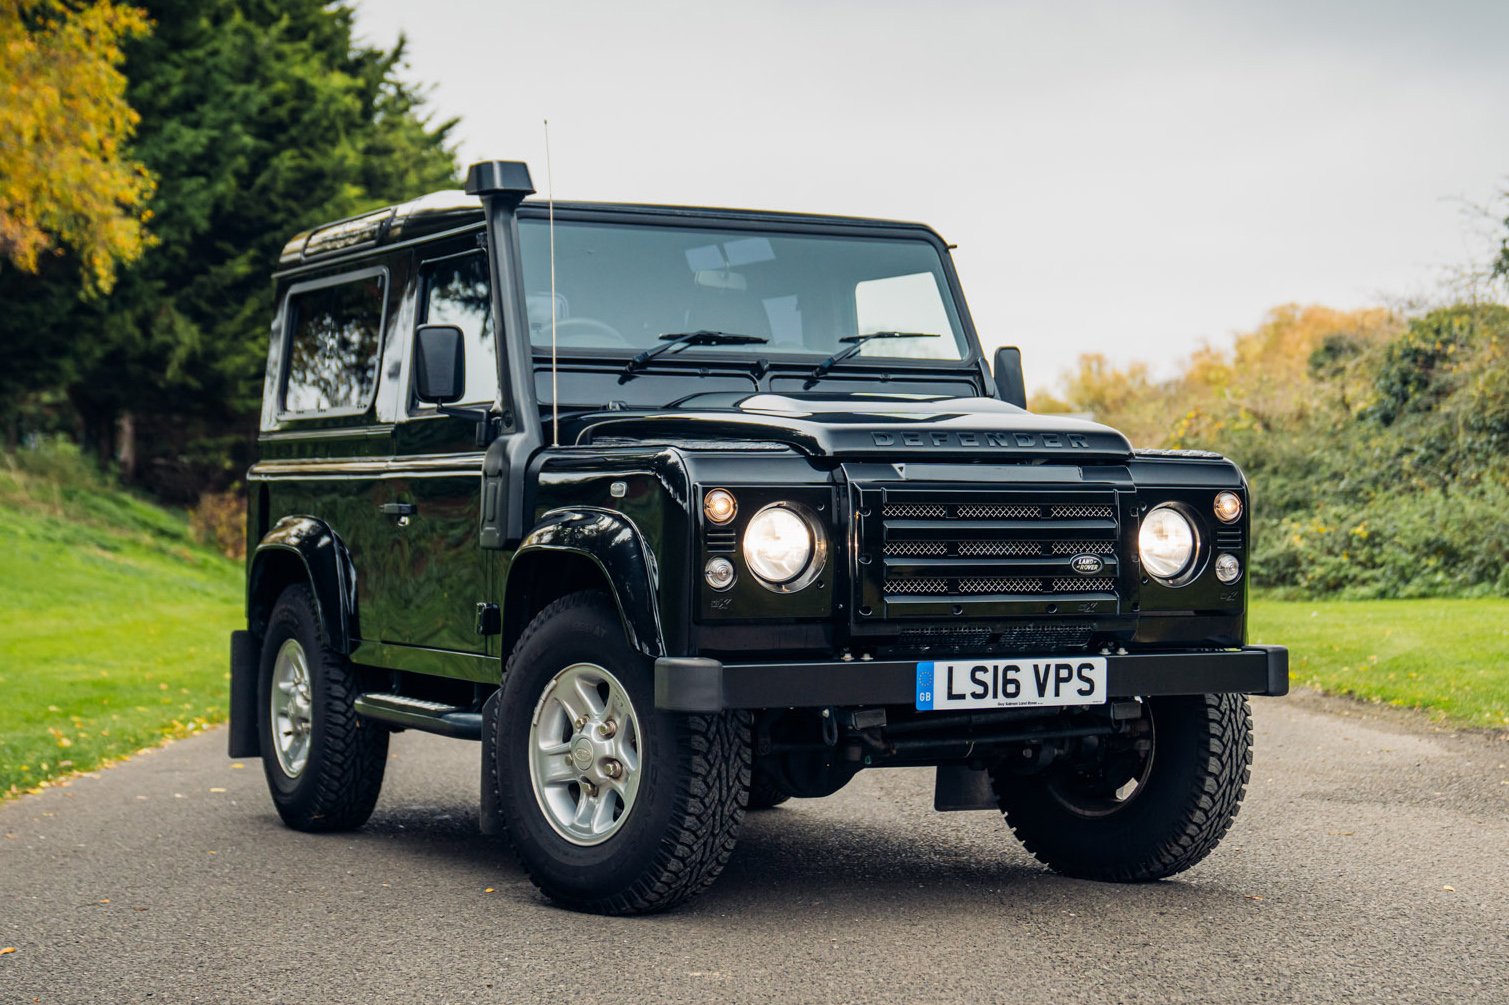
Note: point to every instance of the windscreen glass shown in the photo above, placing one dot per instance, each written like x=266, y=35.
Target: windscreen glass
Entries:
x=620, y=287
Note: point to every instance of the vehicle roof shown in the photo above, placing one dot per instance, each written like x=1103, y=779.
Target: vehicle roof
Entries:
x=447, y=210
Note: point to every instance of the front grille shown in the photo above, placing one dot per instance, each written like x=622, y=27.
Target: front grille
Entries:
x=1083, y=585
x=1029, y=637
x=1006, y=548
x=1000, y=586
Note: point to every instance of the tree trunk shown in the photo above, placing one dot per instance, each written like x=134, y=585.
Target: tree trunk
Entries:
x=125, y=446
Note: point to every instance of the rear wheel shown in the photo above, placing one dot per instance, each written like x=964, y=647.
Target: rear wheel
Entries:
x=324, y=764
x=1141, y=810
x=612, y=805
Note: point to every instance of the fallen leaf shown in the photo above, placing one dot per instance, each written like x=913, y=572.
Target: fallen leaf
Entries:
x=104, y=902
x=238, y=765
x=141, y=909
x=217, y=790
x=214, y=853
x=488, y=890
x=1451, y=888
x=7, y=949
x=1252, y=896
x=1345, y=834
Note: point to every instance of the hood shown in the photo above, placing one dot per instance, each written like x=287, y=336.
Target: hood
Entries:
x=871, y=425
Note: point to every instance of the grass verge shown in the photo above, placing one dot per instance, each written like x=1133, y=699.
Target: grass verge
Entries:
x=1450, y=657
x=114, y=624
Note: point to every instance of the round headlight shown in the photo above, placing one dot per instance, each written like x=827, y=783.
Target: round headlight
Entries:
x=778, y=546
x=1167, y=542
x=1228, y=507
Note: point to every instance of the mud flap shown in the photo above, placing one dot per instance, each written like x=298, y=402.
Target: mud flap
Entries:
x=489, y=817
x=960, y=787
x=246, y=653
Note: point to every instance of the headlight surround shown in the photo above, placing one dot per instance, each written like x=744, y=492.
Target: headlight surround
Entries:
x=1167, y=542
x=784, y=547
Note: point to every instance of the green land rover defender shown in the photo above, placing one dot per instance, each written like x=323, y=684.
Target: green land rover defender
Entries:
x=686, y=512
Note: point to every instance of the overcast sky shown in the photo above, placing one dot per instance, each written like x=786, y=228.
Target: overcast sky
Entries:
x=1125, y=178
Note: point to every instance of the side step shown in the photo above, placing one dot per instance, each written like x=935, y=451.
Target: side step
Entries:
x=416, y=713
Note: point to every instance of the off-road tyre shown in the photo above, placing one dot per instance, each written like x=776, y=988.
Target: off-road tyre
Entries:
x=340, y=782
x=679, y=832
x=1202, y=752
x=764, y=792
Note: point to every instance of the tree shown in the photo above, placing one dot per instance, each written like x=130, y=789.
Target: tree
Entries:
x=64, y=126
x=260, y=118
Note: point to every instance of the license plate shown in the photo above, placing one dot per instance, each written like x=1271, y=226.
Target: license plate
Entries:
x=1013, y=683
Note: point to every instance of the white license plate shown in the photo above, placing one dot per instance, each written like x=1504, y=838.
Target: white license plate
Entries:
x=1011, y=683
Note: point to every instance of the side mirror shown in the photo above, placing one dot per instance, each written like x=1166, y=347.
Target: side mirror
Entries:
x=1010, y=384
x=439, y=364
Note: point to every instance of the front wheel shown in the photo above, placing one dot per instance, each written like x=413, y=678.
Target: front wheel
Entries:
x=612, y=805
x=1138, y=808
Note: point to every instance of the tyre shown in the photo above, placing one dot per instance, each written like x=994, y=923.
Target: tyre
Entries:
x=324, y=764
x=1132, y=812
x=764, y=792
x=611, y=805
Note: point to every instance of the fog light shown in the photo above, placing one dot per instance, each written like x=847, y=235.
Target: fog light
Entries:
x=719, y=505
x=1228, y=569
x=719, y=573
x=1228, y=507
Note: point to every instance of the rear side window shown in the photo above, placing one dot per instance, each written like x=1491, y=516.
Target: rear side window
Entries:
x=334, y=343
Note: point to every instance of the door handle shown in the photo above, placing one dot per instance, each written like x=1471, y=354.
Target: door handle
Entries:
x=399, y=509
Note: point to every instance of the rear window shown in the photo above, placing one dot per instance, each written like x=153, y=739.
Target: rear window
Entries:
x=334, y=342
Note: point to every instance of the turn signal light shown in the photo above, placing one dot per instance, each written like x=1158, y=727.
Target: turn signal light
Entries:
x=719, y=506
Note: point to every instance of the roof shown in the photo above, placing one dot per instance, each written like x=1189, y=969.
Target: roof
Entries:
x=452, y=209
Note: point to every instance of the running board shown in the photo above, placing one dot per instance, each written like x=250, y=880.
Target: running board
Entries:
x=416, y=713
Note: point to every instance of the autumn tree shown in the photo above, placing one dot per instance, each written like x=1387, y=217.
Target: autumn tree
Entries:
x=259, y=119
x=64, y=128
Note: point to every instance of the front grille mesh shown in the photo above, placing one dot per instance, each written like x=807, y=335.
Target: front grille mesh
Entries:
x=999, y=546
x=1000, y=586
x=1084, y=547
x=1082, y=585
x=894, y=586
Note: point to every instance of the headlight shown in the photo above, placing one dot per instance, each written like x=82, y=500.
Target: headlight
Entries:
x=1167, y=542
x=781, y=548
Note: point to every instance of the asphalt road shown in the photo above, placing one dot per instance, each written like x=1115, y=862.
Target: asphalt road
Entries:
x=1370, y=863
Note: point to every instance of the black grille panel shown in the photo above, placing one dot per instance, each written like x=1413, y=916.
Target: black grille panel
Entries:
x=1029, y=637
x=1000, y=549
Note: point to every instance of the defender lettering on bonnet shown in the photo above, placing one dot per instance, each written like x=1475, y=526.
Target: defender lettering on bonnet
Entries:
x=984, y=440
x=725, y=558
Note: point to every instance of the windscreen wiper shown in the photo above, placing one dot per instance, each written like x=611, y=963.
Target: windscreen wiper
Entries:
x=700, y=337
x=856, y=342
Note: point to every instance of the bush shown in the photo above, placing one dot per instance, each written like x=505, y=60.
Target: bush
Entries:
x=219, y=521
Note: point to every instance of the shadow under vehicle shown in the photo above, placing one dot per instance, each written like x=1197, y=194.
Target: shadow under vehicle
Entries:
x=684, y=512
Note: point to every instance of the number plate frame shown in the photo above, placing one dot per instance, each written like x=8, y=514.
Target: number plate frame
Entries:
x=1011, y=682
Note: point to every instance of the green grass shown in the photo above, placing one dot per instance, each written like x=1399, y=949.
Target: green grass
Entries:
x=114, y=624
x=1448, y=656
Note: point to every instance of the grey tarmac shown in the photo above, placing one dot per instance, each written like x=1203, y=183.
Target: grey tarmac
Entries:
x=1370, y=863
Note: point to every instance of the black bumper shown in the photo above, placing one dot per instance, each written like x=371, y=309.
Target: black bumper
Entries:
x=694, y=684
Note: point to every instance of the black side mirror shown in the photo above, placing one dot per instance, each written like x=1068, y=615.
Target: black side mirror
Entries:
x=1010, y=384
x=439, y=364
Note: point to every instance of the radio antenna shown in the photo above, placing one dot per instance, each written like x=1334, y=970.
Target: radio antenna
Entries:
x=555, y=394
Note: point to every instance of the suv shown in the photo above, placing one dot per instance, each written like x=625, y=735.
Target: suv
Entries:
x=683, y=512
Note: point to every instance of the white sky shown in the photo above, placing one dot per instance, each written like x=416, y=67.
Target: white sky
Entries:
x=1122, y=178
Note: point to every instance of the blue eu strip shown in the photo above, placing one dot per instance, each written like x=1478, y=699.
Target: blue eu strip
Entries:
x=925, y=686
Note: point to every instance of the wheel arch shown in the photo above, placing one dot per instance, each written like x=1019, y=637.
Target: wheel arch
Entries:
x=304, y=549
x=582, y=549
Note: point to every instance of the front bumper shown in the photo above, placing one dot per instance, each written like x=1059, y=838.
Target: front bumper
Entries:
x=695, y=684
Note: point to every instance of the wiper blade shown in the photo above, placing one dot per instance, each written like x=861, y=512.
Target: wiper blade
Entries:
x=856, y=342
x=699, y=337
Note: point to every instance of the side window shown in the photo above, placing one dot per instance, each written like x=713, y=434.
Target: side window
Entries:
x=456, y=293
x=334, y=341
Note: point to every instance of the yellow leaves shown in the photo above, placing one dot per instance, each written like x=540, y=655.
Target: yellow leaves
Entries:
x=64, y=123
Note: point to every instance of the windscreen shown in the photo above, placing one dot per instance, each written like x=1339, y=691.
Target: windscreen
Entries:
x=621, y=287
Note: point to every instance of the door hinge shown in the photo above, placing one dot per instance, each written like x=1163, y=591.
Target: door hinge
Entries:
x=489, y=620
